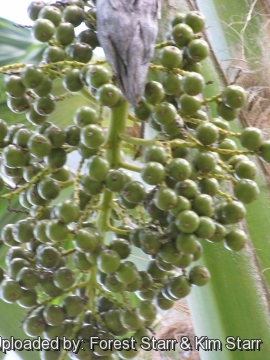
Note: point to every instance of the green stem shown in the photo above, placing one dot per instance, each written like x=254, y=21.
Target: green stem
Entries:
x=118, y=231
x=86, y=94
x=116, y=127
x=130, y=167
x=116, y=130
x=137, y=141
x=215, y=98
x=26, y=186
x=104, y=215
x=163, y=44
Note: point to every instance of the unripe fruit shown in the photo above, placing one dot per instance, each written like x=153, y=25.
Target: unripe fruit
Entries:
x=34, y=9
x=53, y=315
x=207, y=133
x=234, y=96
x=189, y=104
x=171, y=84
x=198, y=49
x=98, y=168
x=10, y=290
x=63, y=278
x=51, y=13
x=192, y=83
x=195, y=20
x=127, y=272
x=97, y=75
x=65, y=33
x=171, y=57
x=226, y=112
x=235, y=240
x=108, y=261
x=264, y=151
x=72, y=81
x=108, y=95
x=67, y=211
x=182, y=34
x=186, y=243
x=251, y=138
x=165, y=113
x=73, y=14
x=165, y=198
x=246, y=190
x=80, y=52
x=134, y=192
x=34, y=325
x=92, y=136
x=199, y=275
x=85, y=115
x=179, y=287
x=153, y=173
x=86, y=240
x=43, y=30
x=154, y=92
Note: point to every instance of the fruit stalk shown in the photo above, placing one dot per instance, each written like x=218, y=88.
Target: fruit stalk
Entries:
x=116, y=127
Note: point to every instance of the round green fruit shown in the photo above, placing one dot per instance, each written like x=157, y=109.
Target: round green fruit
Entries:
x=206, y=228
x=34, y=9
x=199, y=275
x=134, y=192
x=165, y=198
x=72, y=81
x=165, y=113
x=189, y=104
x=179, y=169
x=67, y=211
x=73, y=14
x=196, y=20
x=98, y=168
x=108, y=95
x=198, y=49
x=65, y=33
x=192, y=84
x=86, y=240
x=53, y=315
x=171, y=84
x=108, y=261
x=187, y=243
x=51, y=13
x=97, y=76
x=31, y=170
x=235, y=240
x=154, y=92
x=251, y=138
x=153, y=173
x=10, y=290
x=264, y=151
x=171, y=57
x=207, y=133
x=80, y=52
x=234, y=96
x=92, y=136
x=56, y=230
x=182, y=34
x=63, y=277
x=179, y=287
x=187, y=188
x=226, y=112
x=43, y=30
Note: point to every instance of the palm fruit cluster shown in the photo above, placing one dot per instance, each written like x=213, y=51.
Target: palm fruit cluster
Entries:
x=70, y=262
